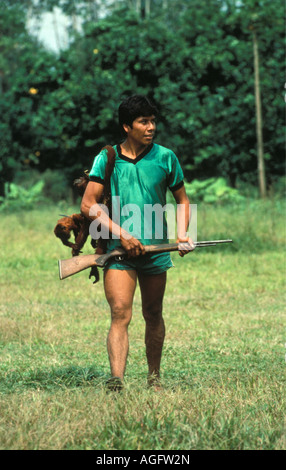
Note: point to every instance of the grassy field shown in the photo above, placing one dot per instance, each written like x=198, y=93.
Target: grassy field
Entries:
x=223, y=367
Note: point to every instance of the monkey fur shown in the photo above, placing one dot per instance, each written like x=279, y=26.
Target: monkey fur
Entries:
x=78, y=224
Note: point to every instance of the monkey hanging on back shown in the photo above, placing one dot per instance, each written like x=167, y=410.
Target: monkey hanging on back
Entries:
x=78, y=224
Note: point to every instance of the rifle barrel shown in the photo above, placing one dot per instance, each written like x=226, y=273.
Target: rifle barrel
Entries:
x=212, y=242
x=76, y=264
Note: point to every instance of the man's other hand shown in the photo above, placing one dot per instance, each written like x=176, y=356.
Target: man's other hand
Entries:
x=187, y=245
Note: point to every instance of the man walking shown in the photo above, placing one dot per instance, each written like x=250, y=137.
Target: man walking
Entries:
x=142, y=174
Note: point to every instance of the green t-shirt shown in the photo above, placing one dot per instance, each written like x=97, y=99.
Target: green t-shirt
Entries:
x=138, y=189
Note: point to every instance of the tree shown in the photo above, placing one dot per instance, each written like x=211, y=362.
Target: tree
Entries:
x=259, y=132
x=57, y=111
x=222, y=49
x=28, y=72
x=258, y=16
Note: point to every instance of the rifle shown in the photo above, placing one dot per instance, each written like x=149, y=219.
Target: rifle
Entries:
x=74, y=265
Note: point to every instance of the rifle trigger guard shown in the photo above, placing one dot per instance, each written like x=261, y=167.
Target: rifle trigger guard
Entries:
x=119, y=258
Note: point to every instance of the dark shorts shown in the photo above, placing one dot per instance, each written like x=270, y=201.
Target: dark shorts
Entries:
x=150, y=263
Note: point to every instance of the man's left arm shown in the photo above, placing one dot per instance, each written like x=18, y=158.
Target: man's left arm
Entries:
x=183, y=218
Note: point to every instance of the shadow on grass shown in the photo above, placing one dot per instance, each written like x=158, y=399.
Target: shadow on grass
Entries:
x=52, y=379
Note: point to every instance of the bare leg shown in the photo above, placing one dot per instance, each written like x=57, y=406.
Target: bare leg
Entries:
x=119, y=290
x=152, y=292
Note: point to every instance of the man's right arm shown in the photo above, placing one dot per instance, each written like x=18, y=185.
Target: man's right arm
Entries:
x=92, y=196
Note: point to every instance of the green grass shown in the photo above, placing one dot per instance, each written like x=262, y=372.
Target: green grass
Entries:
x=223, y=367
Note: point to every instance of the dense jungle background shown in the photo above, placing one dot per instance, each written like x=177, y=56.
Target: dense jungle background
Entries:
x=214, y=68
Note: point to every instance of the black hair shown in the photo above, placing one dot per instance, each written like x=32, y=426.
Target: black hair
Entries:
x=133, y=107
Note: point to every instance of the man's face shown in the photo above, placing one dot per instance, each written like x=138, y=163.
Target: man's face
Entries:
x=142, y=130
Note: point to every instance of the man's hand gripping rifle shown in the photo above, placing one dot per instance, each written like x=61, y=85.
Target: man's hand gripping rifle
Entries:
x=74, y=265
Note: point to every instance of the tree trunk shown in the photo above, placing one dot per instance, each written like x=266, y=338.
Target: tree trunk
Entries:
x=259, y=136
x=147, y=7
x=138, y=6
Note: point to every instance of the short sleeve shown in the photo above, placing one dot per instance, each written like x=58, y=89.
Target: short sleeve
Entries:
x=97, y=172
x=176, y=176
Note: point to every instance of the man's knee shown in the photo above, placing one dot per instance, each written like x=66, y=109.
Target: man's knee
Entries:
x=152, y=313
x=121, y=313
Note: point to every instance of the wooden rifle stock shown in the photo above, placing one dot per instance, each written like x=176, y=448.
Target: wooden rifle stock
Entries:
x=74, y=265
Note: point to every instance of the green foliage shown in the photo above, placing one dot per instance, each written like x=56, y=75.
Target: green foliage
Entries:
x=212, y=190
x=56, y=187
x=57, y=111
x=18, y=198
